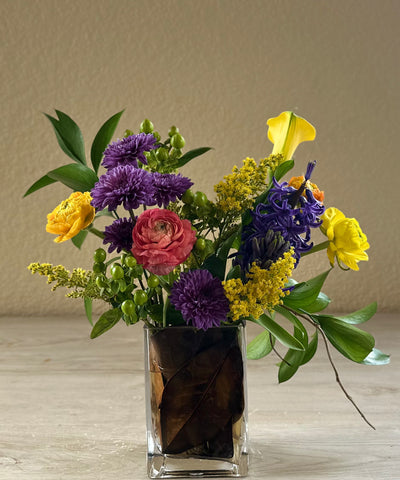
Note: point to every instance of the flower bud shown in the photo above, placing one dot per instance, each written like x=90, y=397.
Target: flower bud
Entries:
x=173, y=130
x=177, y=141
x=157, y=136
x=146, y=126
x=188, y=197
x=162, y=154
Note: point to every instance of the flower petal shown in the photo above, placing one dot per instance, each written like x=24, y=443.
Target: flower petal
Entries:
x=287, y=131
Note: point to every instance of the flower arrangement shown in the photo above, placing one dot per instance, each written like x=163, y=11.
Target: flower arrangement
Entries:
x=178, y=258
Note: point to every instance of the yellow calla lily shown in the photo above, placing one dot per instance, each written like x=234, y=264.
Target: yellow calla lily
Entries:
x=287, y=131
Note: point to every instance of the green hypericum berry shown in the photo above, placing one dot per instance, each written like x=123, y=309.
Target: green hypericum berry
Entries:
x=117, y=272
x=122, y=285
x=173, y=130
x=137, y=271
x=99, y=267
x=188, y=197
x=177, y=141
x=146, y=126
x=200, y=199
x=200, y=244
x=153, y=281
x=140, y=297
x=128, y=133
x=175, y=153
x=130, y=261
x=162, y=154
x=99, y=255
x=128, y=307
x=101, y=282
x=157, y=136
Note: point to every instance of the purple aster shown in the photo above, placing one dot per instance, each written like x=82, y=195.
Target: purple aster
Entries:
x=123, y=185
x=119, y=235
x=168, y=187
x=200, y=298
x=286, y=212
x=129, y=150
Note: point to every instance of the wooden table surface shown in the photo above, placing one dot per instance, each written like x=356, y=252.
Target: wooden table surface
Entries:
x=73, y=408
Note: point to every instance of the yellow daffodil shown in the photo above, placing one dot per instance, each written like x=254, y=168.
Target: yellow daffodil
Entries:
x=347, y=242
x=71, y=216
x=287, y=131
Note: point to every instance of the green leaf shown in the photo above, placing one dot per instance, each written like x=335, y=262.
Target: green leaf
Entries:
x=216, y=263
x=104, y=213
x=88, y=309
x=234, y=272
x=350, y=341
x=301, y=333
x=376, y=357
x=306, y=293
x=105, y=322
x=80, y=238
x=76, y=176
x=69, y=136
x=311, y=349
x=360, y=316
x=42, y=182
x=260, y=346
x=191, y=154
x=103, y=138
x=320, y=303
x=283, y=168
x=279, y=332
x=155, y=312
x=293, y=360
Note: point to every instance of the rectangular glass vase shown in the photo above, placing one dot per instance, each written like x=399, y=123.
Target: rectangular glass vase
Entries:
x=196, y=402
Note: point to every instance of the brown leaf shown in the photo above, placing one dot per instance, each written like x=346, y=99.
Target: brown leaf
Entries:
x=203, y=393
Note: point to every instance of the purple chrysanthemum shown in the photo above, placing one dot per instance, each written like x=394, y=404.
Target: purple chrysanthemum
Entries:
x=200, y=298
x=123, y=185
x=119, y=235
x=287, y=212
x=168, y=187
x=129, y=150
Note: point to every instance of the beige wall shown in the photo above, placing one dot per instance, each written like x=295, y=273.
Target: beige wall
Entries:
x=218, y=70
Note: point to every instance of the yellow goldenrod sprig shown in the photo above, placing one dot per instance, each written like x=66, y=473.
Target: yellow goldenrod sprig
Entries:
x=237, y=191
x=262, y=291
x=82, y=282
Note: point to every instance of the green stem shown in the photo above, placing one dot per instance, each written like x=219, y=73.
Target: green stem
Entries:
x=96, y=232
x=164, y=316
x=317, y=248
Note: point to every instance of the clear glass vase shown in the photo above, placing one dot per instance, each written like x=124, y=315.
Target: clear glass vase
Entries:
x=196, y=402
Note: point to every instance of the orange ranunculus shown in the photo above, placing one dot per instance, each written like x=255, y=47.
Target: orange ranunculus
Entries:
x=71, y=216
x=296, y=182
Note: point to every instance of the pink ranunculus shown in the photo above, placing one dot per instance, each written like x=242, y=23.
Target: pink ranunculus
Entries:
x=161, y=240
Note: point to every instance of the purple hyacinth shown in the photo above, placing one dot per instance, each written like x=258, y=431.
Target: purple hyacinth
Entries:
x=123, y=185
x=288, y=212
x=200, y=298
x=168, y=187
x=129, y=150
x=119, y=235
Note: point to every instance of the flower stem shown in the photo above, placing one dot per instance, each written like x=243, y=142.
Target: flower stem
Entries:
x=164, y=316
x=315, y=324
x=96, y=232
x=317, y=248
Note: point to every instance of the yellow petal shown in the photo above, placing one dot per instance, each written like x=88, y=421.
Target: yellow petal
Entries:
x=287, y=131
